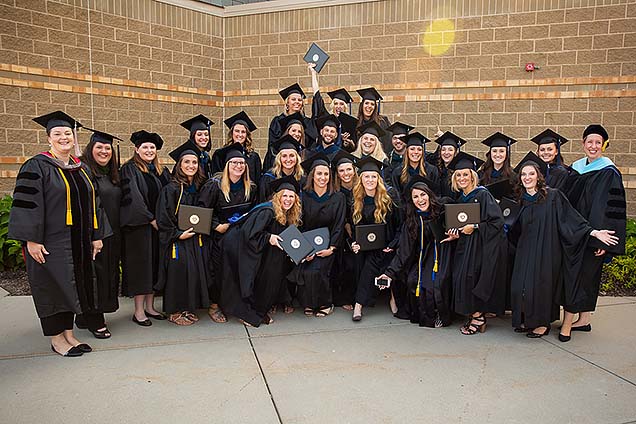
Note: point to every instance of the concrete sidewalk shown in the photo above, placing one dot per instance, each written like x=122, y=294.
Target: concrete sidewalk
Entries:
x=319, y=370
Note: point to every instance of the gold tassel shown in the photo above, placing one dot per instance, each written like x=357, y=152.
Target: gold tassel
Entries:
x=200, y=241
x=176, y=211
x=69, y=213
x=95, y=225
x=436, y=260
x=174, y=251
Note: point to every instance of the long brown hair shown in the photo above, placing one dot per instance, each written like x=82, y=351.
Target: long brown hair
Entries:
x=309, y=183
x=141, y=164
x=487, y=168
x=290, y=217
x=434, y=209
x=247, y=144
x=113, y=164
x=375, y=115
x=337, y=184
x=180, y=177
x=519, y=189
x=382, y=200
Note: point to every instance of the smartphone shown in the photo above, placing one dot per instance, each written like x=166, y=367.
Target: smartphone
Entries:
x=382, y=282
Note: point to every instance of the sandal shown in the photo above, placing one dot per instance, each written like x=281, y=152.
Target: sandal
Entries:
x=192, y=316
x=273, y=310
x=180, y=318
x=323, y=312
x=347, y=307
x=289, y=309
x=217, y=315
x=267, y=319
x=309, y=312
x=101, y=334
x=471, y=327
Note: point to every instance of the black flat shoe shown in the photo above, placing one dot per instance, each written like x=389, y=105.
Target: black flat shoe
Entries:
x=158, y=317
x=522, y=329
x=533, y=335
x=84, y=348
x=563, y=338
x=103, y=334
x=71, y=353
x=586, y=328
x=144, y=323
x=356, y=318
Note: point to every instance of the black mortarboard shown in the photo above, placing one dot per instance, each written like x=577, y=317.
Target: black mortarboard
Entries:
x=287, y=142
x=286, y=183
x=596, y=129
x=348, y=124
x=532, y=157
x=371, y=128
x=342, y=157
x=341, y=94
x=549, y=136
x=399, y=128
x=294, y=88
x=57, y=119
x=234, y=150
x=418, y=180
x=199, y=122
x=369, y=164
x=450, y=139
x=416, y=139
x=102, y=137
x=187, y=148
x=500, y=189
x=317, y=159
x=369, y=93
x=143, y=136
x=499, y=140
x=294, y=118
x=240, y=118
x=465, y=161
x=330, y=120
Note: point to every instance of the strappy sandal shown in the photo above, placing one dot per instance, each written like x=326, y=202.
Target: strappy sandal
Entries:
x=289, y=309
x=323, y=312
x=217, y=315
x=192, y=316
x=267, y=319
x=180, y=318
x=471, y=328
x=101, y=334
x=309, y=312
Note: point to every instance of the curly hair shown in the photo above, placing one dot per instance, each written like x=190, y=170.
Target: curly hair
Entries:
x=382, y=200
x=519, y=190
x=289, y=217
x=412, y=222
x=247, y=145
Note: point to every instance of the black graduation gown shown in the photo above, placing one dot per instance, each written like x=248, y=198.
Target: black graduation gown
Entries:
x=41, y=212
x=550, y=237
x=431, y=174
x=599, y=196
x=211, y=197
x=182, y=275
x=253, y=270
x=495, y=177
x=556, y=175
x=107, y=262
x=394, y=162
x=264, y=191
x=314, y=277
x=371, y=263
x=424, y=265
x=343, y=281
x=277, y=129
x=140, y=243
x=445, y=186
x=479, y=263
x=253, y=161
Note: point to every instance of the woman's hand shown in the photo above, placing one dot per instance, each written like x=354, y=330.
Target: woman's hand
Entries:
x=452, y=234
x=222, y=228
x=605, y=237
x=275, y=240
x=98, y=245
x=468, y=229
x=355, y=247
x=187, y=234
x=154, y=224
x=599, y=252
x=312, y=68
x=37, y=251
x=325, y=252
x=387, y=250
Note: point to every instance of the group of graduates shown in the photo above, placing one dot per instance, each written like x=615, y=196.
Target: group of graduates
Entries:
x=80, y=216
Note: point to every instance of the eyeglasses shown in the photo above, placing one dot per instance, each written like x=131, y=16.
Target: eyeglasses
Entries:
x=236, y=163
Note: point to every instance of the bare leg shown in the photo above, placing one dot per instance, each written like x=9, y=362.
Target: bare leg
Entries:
x=566, y=326
x=584, y=319
x=140, y=314
x=393, y=305
x=150, y=304
x=70, y=337
x=60, y=343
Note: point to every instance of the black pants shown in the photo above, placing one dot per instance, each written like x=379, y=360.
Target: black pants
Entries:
x=56, y=324
x=91, y=320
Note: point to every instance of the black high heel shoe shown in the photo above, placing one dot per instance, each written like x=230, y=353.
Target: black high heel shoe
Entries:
x=533, y=335
x=586, y=328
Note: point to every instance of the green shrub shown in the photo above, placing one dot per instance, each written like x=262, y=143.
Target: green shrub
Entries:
x=10, y=250
x=619, y=276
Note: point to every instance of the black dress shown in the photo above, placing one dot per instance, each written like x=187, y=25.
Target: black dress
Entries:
x=479, y=263
x=54, y=204
x=182, y=271
x=550, y=236
x=343, y=281
x=140, y=243
x=253, y=270
x=425, y=266
x=212, y=197
x=313, y=278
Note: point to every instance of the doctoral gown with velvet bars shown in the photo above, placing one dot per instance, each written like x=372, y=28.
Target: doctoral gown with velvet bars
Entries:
x=314, y=277
x=479, y=262
x=182, y=269
x=253, y=270
x=550, y=237
x=66, y=281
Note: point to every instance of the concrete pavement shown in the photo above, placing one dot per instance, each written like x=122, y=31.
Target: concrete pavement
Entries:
x=319, y=370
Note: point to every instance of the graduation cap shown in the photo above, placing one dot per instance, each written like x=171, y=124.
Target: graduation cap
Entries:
x=399, y=128
x=197, y=123
x=330, y=120
x=340, y=94
x=499, y=140
x=465, y=161
x=548, y=136
x=186, y=148
x=294, y=88
x=57, y=119
x=369, y=164
x=416, y=139
x=597, y=129
x=234, y=150
x=342, y=157
x=370, y=93
x=140, y=137
x=319, y=158
x=286, y=183
x=348, y=123
x=316, y=55
x=500, y=189
x=240, y=118
x=529, y=158
x=294, y=118
x=287, y=142
x=371, y=128
x=450, y=139
x=417, y=181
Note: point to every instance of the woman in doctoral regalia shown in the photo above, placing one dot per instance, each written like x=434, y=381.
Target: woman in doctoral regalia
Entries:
x=286, y=162
x=595, y=189
x=182, y=263
x=99, y=157
x=56, y=215
x=373, y=203
x=551, y=237
x=321, y=208
x=229, y=195
x=414, y=163
x=423, y=258
x=240, y=129
x=369, y=111
x=549, y=150
x=449, y=147
x=254, y=266
x=479, y=269
x=142, y=179
x=199, y=141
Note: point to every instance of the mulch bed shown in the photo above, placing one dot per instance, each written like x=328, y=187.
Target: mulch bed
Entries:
x=15, y=282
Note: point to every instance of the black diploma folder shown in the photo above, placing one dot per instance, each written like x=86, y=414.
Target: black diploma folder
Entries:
x=461, y=214
x=319, y=238
x=371, y=236
x=295, y=244
x=199, y=219
x=316, y=55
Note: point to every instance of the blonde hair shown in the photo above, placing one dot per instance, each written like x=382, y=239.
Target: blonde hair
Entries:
x=225, y=182
x=382, y=200
x=247, y=144
x=290, y=217
x=474, y=181
x=141, y=164
x=421, y=168
x=302, y=132
x=378, y=152
x=277, y=169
